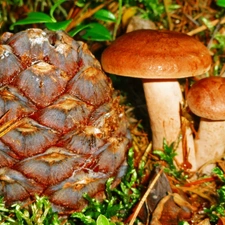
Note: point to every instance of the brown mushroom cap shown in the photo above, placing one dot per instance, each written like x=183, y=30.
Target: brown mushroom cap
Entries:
x=156, y=54
x=206, y=98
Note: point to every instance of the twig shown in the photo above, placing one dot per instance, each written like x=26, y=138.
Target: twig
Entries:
x=191, y=19
x=222, y=72
x=79, y=18
x=204, y=27
x=168, y=14
x=118, y=19
x=134, y=216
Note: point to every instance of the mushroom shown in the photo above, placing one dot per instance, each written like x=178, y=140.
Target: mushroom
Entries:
x=206, y=99
x=159, y=58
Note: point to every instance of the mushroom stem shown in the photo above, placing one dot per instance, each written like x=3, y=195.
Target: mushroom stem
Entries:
x=164, y=99
x=205, y=99
x=209, y=143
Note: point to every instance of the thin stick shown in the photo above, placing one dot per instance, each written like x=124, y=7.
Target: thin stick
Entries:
x=145, y=197
x=204, y=27
x=119, y=18
x=166, y=3
x=81, y=17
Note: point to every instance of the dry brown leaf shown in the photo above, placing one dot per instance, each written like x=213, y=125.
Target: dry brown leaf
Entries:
x=158, y=211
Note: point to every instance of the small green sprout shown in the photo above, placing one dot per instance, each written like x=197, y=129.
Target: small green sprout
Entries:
x=220, y=3
x=167, y=155
x=102, y=220
x=94, y=30
x=216, y=211
x=38, y=213
x=40, y=17
x=183, y=223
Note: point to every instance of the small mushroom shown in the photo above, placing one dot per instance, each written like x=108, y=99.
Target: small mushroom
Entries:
x=159, y=58
x=206, y=99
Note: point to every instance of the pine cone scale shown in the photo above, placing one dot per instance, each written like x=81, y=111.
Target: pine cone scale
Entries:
x=68, y=131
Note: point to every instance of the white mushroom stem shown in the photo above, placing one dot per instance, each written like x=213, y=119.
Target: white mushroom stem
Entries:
x=164, y=99
x=209, y=143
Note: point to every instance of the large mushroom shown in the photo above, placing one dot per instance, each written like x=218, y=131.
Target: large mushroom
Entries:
x=206, y=99
x=159, y=58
